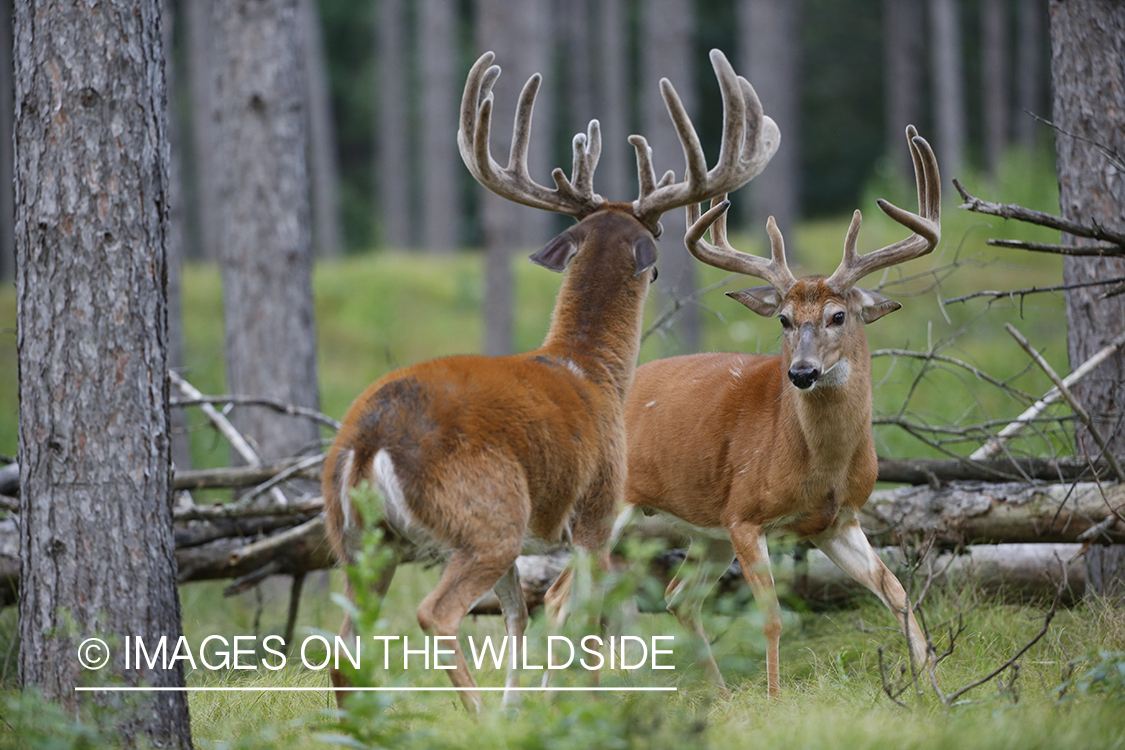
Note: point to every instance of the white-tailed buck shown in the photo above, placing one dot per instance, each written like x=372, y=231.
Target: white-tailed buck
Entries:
x=479, y=458
x=731, y=446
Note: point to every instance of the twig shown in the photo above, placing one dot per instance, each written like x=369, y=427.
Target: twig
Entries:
x=935, y=357
x=1019, y=213
x=992, y=447
x=1106, y=151
x=223, y=425
x=234, y=476
x=250, y=580
x=269, y=544
x=1078, y=409
x=678, y=303
x=275, y=404
x=1098, y=251
x=277, y=479
x=1033, y=290
x=294, y=604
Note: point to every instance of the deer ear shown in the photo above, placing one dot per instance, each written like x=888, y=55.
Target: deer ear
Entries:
x=557, y=253
x=644, y=254
x=874, y=305
x=763, y=300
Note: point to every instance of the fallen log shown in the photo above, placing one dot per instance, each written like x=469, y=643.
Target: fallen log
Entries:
x=224, y=542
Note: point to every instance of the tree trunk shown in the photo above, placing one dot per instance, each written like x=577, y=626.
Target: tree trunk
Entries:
x=903, y=23
x=96, y=543
x=994, y=82
x=7, y=176
x=518, y=33
x=266, y=256
x=393, y=183
x=197, y=16
x=441, y=167
x=181, y=439
x=948, y=88
x=1087, y=49
x=322, y=135
x=666, y=52
x=770, y=61
x=611, y=102
x=1029, y=70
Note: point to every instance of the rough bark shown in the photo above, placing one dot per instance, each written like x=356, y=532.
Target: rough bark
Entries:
x=96, y=543
x=441, y=166
x=266, y=257
x=770, y=61
x=994, y=81
x=668, y=31
x=393, y=178
x=322, y=135
x=948, y=87
x=7, y=176
x=518, y=34
x=902, y=72
x=1087, y=49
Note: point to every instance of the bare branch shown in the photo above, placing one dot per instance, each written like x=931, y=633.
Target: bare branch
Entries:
x=1079, y=410
x=1034, y=290
x=272, y=403
x=1019, y=213
x=1097, y=251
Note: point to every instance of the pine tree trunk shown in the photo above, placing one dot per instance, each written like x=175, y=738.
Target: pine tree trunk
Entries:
x=322, y=135
x=1029, y=70
x=994, y=83
x=772, y=45
x=266, y=254
x=518, y=33
x=197, y=18
x=96, y=544
x=1087, y=49
x=7, y=197
x=441, y=166
x=948, y=88
x=616, y=175
x=393, y=178
x=903, y=24
x=666, y=52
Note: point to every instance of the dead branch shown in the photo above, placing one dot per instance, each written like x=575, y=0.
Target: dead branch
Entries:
x=1078, y=409
x=993, y=446
x=226, y=429
x=995, y=294
x=291, y=410
x=1095, y=251
x=1019, y=213
x=672, y=309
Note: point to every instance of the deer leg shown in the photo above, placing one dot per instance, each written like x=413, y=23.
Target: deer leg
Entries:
x=847, y=546
x=514, y=607
x=749, y=542
x=339, y=681
x=685, y=597
x=468, y=576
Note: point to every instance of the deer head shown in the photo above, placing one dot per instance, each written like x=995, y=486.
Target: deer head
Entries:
x=822, y=318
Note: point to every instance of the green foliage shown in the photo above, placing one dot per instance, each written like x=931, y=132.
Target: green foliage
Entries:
x=1106, y=676
x=28, y=722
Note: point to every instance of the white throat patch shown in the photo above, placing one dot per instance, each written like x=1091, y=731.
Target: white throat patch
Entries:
x=837, y=374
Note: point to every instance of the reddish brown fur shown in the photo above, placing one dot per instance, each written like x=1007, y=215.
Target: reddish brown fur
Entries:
x=489, y=450
x=726, y=442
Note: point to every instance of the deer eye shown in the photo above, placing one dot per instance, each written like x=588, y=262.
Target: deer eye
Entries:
x=784, y=320
x=838, y=318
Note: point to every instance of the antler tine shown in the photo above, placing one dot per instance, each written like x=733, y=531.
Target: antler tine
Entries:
x=720, y=254
x=575, y=198
x=925, y=225
x=749, y=140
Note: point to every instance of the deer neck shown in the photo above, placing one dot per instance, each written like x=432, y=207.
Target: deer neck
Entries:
x=597, y=322
x=833, y=418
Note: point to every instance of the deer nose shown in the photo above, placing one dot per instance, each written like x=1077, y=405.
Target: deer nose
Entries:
x=804, y=375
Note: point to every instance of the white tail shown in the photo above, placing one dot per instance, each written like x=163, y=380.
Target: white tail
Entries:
x=731, y=446
x=480, y=458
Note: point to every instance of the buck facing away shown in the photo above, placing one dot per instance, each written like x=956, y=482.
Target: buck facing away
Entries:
x=731, y=446
x=478, y=458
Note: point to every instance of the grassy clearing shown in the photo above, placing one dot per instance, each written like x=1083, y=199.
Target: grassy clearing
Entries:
x=380, y=311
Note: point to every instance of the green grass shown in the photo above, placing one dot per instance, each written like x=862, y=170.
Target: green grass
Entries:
x=380, y=311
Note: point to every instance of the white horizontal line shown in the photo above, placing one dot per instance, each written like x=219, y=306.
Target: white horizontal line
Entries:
x=136, y=689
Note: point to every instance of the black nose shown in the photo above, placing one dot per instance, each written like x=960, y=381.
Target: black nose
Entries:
x=803, y=375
